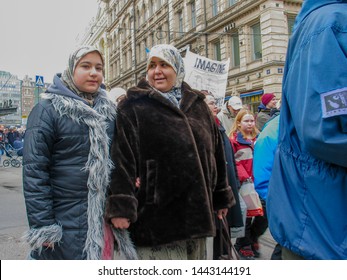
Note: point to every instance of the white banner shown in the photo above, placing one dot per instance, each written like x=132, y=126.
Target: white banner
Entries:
x=207, y=74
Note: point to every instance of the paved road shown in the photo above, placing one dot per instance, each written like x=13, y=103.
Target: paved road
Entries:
x=13, y=220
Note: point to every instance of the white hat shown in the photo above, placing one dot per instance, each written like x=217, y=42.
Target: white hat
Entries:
x=235, y=102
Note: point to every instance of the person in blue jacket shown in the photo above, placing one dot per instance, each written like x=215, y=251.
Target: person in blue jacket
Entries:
x=18, y=146
x=264, y=152
x=307, y=195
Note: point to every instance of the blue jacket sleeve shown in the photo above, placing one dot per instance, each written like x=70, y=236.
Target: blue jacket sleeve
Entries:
x=36, y=169
x=318, y=74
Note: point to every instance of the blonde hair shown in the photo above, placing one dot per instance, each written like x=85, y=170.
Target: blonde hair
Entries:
x=238, y=118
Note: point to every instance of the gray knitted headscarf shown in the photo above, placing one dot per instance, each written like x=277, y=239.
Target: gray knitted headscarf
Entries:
x=173, y=57
x=67, y=76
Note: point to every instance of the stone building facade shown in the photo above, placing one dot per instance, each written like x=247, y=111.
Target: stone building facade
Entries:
x=30, y=96
x=253, y=34
x=17, y=98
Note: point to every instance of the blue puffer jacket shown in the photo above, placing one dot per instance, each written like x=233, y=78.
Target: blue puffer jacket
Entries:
x=307, y=199
x=66, y=173
x=263, y=158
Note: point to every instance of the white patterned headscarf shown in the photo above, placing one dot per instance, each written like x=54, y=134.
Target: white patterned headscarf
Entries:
x=67, y=76
x=171, y=56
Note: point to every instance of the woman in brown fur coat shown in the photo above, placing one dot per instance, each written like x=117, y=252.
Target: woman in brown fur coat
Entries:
x=167, y=138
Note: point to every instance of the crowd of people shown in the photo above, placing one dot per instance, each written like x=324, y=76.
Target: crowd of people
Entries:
x=152, y=170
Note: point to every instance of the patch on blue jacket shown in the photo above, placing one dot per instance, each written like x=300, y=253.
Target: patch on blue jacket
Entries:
x=334, y=103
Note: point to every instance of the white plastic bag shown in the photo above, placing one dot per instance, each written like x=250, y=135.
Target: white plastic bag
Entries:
x=251, y=198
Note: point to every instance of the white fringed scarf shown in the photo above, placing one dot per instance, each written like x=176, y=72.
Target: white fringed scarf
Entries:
x=99, y=164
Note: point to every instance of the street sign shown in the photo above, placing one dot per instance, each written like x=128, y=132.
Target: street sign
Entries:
x=39, y=81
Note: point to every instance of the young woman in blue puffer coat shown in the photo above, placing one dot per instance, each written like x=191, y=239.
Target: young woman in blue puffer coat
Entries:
x=66, y=162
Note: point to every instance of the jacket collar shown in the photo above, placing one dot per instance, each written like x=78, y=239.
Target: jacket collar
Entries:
x=242, y=140
x=189, y=96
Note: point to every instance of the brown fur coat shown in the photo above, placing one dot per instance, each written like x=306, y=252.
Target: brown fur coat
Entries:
x=178, y=156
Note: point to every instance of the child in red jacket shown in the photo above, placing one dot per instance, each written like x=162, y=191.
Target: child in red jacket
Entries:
x=243, y=136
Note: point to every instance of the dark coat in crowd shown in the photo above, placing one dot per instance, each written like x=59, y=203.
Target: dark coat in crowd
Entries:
x=181, y=167
x=66, y=173
x=234, y=215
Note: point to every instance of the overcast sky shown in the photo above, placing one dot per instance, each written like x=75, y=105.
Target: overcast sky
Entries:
x=37, y=36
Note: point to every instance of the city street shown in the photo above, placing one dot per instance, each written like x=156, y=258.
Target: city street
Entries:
x=13, y=222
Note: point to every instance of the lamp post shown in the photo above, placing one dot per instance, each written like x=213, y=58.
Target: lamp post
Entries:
x=38, y=94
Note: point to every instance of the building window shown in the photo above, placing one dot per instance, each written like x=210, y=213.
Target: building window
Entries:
x=144, y=13
x=152, y=40
x=291, y=22
x=124, y=66
x=113, y=43
x=160, y=35
x=140, y=56
x=214, y=7
x=111, y=74
x=217, y=51
x=232, y=2
x=127, y=64
x=129, y=27
x=130, y=58
x=150, y=4
x=143, y=50
x=180, y=23
x=138, y=19
x=256, y=42
x=113, y=15
x=138, y=51
x=193, y=13
x=124, y=31
x=252, y=102
x=235, y=50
